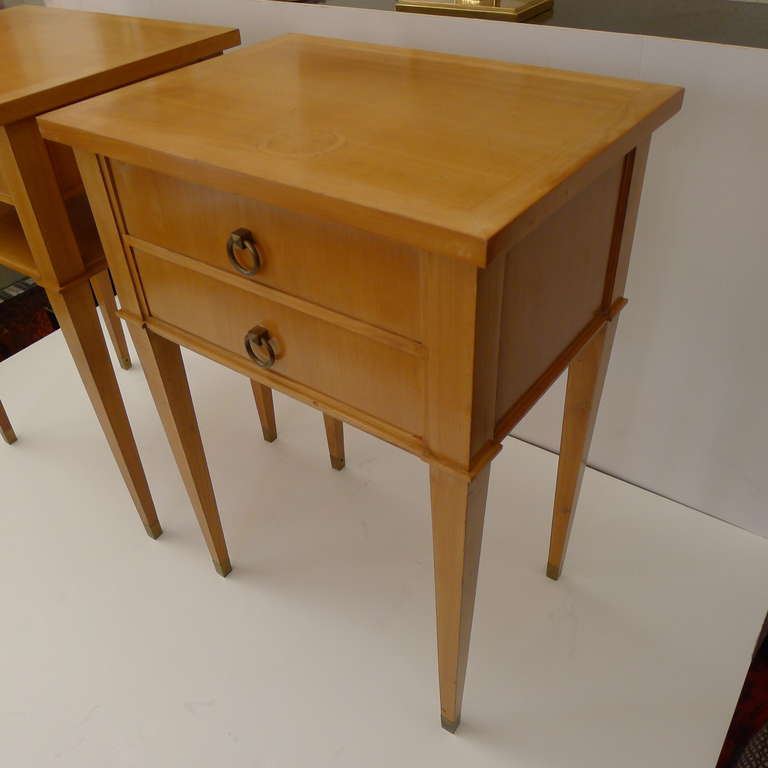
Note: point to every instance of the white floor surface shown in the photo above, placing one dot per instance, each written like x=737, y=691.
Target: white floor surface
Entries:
x=319, y=650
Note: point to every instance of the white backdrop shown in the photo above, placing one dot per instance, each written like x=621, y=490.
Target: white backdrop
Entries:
x=684, y=411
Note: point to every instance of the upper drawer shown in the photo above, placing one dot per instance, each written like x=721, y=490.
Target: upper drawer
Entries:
x=353, y=272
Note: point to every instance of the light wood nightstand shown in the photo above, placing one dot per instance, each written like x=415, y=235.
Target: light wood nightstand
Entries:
x=51, y=57
x=408, y=272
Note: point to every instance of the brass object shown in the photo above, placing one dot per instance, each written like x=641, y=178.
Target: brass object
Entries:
x=258, y=340
x=449, y=725
x=242, y=240
x=499, y=10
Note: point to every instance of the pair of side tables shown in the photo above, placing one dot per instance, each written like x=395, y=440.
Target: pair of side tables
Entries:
x=332, y=220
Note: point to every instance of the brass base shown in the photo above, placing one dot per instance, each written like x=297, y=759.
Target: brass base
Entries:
x=338, y=463
x=221, y=571
x=499, y=10
x=154, y=531
x=125, y=363
x=553, y=571
x=449, y=725
x=9, y=436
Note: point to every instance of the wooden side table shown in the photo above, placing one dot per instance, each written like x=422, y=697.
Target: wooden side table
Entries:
x=417, y=276
x=52, y=57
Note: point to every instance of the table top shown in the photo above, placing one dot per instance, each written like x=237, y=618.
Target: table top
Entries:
x=52, y=56
x=437, y=150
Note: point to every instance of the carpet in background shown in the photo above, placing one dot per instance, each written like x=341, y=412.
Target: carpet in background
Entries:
x=746, y=744
x=25, y=317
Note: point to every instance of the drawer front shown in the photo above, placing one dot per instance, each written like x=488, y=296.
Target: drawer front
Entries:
x=366, y=374
x=367, y=277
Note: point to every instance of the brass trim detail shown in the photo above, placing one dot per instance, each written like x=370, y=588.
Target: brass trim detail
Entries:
x=242, y=240
x=498, y=10
x=258, y=340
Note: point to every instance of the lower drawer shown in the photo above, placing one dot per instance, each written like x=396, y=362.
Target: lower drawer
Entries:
x=359, y=371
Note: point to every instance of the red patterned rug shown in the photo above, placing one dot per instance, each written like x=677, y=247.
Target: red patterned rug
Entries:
x=25, y=317
x=746, y=744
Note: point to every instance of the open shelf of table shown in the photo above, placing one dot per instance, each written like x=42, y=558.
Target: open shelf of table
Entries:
x=14, y=249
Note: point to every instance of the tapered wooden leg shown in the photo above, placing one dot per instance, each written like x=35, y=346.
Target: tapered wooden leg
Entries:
x=102, y=287
x=266, y=408
x=167, y=379
x=334, y=433
x=5, y=426
x=586, y=375
x=458, y=510
x=80, y=324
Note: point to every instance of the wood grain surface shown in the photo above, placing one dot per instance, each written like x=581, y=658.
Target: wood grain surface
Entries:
x=438, y=151
x=53, y=56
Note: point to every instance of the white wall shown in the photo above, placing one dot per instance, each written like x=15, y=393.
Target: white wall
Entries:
x=684, y=411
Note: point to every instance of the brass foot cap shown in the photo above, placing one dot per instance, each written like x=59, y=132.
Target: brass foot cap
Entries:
x=223, y=570
x=9, y=436
x=449, y=725
x=125, y=363
x=338, y=462
x=154, y=531
x=553, y=571
x=270, y=437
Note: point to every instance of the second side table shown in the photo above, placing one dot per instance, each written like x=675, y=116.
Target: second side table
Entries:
x=52, y=57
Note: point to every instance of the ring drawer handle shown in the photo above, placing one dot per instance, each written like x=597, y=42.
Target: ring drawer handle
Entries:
x=242, y=240
x=258, y=345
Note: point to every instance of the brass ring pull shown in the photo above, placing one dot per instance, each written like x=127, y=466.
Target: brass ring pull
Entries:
x=242, y=240
x=259, y=347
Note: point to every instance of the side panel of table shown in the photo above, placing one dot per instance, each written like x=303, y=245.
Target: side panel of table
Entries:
x=29, y=174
